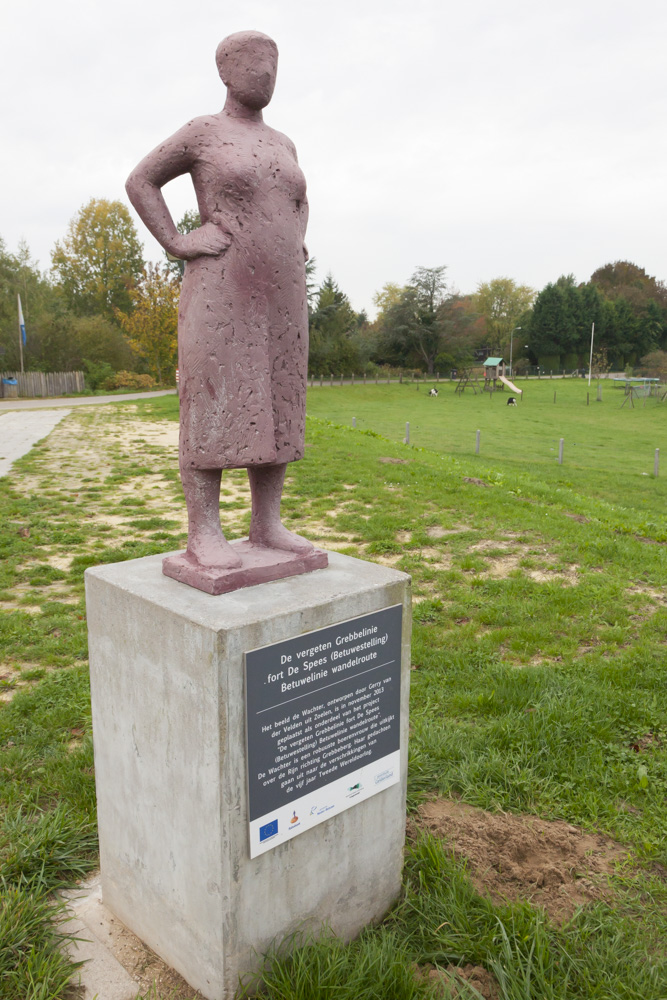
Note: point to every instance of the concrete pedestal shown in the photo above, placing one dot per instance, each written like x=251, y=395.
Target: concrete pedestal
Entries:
x=167, y=678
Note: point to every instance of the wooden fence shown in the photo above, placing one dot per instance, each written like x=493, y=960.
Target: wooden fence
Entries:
x=43, y=383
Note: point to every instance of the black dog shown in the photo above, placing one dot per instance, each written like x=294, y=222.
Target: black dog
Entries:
x=511, y=401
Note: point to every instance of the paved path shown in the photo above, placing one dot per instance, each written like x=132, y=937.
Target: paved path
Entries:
x=56, y=401
x=20, y=431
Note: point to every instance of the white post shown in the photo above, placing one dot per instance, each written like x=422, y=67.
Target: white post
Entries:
x=590, y=362
x=599, y=399
x=407, y=433
x=656, y=462
x=477, y=437
x=354, y=421
x=560, y=451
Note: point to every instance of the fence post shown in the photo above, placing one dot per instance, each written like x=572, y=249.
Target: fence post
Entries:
x=341, y=378
x=364, y=378
x=656, y=462
x=599, y=393
x=321, y=380
x=407, y=433
x=330, y=379
x=560, y=451
x=477, y=439
x=352, y=378
x=376, y=377
x=354, y=421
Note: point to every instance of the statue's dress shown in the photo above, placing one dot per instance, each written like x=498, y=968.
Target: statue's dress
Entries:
x=243, y=316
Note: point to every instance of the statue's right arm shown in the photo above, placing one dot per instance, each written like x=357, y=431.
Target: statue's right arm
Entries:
x=172, y=158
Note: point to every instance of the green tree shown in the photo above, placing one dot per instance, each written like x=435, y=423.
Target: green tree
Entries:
x=412, y=325
x=334, y=331
x=100, y=260
x=20, y=275
x=191, y=220
x=152, y=324
x=502, y=302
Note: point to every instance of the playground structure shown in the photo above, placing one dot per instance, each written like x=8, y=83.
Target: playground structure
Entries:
x=467, y=380
x=642, y=388
x=494, y=371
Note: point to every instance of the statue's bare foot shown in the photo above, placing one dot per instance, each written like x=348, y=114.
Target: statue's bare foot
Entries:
x=213, y=552
x=276, y=536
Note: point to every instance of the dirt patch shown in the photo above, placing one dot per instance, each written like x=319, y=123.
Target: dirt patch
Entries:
x=510, y=556
x=552, y=864
x=474, y=975
x=660, y=596
x=578, y=517
x=474, y=481
x=439, y=532
x=394, y=461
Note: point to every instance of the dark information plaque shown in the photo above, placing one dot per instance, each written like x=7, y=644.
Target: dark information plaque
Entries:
x=322, y=724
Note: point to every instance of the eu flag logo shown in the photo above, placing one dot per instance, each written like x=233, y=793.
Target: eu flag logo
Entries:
x=268, y=830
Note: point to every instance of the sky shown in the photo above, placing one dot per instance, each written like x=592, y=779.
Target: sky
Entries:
x=520, y=139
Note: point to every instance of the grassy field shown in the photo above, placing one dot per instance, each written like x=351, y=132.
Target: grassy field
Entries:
x=602, y=441
x=537, y=865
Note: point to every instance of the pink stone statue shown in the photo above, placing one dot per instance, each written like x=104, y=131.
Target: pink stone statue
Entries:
x=243, y=319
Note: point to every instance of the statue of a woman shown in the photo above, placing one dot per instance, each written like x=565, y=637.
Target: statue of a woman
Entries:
x=243, y=318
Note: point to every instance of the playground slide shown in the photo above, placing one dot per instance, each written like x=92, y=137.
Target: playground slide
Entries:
x=510, y=385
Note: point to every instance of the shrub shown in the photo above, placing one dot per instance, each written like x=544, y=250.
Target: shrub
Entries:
x=128, y=380
x=97, y=373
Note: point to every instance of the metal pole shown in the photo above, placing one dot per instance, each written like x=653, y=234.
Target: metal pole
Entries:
x=560, y=451
x=20, y=334
x=656, y=462
x=407, y=433
x=477, y=437
x=590, y=362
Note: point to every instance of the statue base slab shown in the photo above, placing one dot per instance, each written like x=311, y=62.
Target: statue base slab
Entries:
x=168, y=690
x=260, y=565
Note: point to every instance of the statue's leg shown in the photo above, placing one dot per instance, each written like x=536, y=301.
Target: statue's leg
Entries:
x=206, y=542
x=266, y=488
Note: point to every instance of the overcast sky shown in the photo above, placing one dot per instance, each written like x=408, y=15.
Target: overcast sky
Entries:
x=520, y=138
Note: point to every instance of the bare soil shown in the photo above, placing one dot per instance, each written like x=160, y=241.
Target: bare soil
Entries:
x=475, y=975
x=552, y=864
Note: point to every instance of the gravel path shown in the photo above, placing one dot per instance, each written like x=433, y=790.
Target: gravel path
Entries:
x=52, y=402
x=20, y=431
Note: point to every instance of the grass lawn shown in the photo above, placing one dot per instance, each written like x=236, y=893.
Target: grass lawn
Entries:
x=539, y=682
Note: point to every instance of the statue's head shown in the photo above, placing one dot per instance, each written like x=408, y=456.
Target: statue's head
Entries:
x=247, y=63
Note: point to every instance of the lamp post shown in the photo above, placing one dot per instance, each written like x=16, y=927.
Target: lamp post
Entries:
x=511, y=345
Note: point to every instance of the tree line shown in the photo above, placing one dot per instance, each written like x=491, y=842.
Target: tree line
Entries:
x=426, y=325
x=102, y=308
